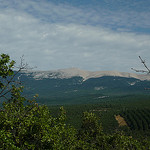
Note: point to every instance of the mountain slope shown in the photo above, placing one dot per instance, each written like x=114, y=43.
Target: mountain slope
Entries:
x=73, y=86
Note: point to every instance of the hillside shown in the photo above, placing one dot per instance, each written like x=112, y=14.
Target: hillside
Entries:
x=75, y=86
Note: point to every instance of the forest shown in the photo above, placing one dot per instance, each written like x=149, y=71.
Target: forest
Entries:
x=26, y=124
x=134, y=109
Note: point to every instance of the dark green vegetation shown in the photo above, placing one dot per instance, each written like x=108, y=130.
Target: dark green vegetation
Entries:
x=24, y=124
x=138, y=119
x=134, y=109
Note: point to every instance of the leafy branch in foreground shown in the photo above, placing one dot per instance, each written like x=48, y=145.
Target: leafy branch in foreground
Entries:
x=24, y=124
x=7, y=75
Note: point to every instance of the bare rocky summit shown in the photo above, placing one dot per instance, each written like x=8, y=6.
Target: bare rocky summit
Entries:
x=72, y=72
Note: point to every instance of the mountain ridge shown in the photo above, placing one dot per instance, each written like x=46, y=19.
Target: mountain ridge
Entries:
x=76, y=86
x=73, y=72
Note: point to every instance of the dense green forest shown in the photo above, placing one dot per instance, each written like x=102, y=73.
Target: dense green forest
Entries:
x=25, y=124
x=134, y=109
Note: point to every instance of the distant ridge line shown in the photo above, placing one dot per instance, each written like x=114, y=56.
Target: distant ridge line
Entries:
x=73, y=72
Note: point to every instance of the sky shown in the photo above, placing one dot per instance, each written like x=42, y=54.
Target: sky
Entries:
x=94, y=35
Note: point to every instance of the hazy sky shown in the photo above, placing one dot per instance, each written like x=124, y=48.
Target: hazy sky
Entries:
x=87, y=34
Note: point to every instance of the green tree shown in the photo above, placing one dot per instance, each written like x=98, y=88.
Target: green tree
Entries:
x=6, y=75
x=26, y=125
x=94, y=137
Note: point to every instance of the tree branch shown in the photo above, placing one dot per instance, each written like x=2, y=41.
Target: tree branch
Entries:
x=142, y=71
x=6, y=89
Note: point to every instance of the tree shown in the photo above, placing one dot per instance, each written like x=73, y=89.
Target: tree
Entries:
x=7, y=75
x=23, y=123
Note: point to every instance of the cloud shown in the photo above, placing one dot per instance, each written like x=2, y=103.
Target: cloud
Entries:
x=59, y=36
x=116, y=14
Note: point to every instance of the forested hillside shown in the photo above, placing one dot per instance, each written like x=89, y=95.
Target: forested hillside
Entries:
x=74, y=90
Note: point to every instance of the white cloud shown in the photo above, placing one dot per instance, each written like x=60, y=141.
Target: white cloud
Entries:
x=64, y=39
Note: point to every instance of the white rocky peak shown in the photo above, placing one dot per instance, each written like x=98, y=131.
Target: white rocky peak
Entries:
x=72, y=72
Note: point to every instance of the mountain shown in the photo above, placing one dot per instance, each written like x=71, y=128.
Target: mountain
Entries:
x=73, y=72
x=75, y=86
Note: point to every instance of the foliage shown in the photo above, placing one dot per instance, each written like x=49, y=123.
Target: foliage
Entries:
x=32, y=127
x=24, y=124
x=5, y=72
x=27, y=125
